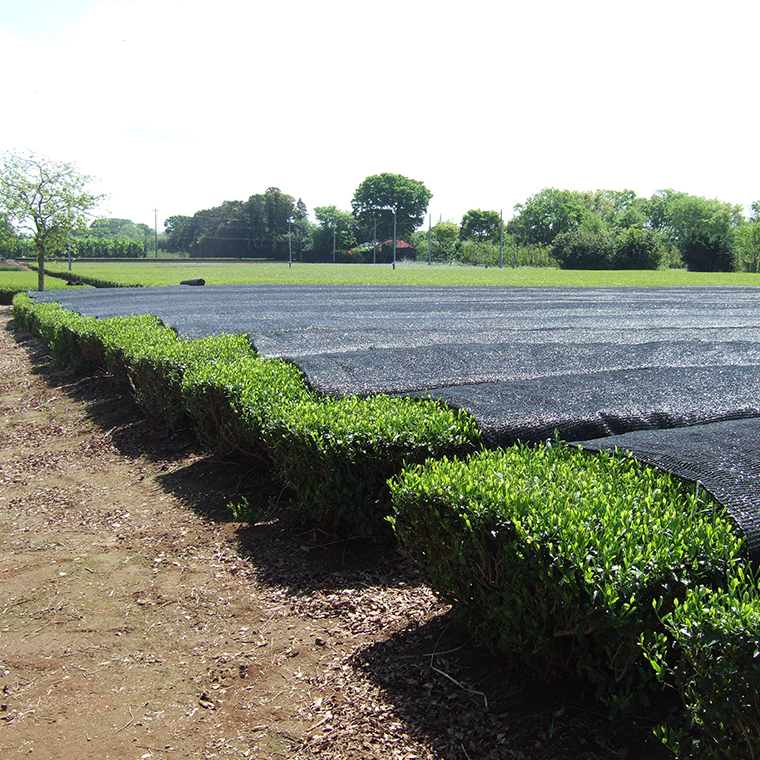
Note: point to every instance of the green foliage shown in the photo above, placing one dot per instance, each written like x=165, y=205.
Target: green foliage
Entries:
x=481, y=226
x=235, y=403
x=607, y=248
x=409, y=198
x=547, y=214
x=338, y=454
x=46, y=198
x=479, y=254
x=333, y=220
x=584, y=249
x=566, y=559
x=257, y=227
x=748, y=247
x=702, y=230
x=710, y=651
x=86, y=247
x=335, y=455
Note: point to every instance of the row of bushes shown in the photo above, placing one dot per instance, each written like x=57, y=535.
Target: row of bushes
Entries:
x=334, y=455
x=593, y=563
x=598, y=564
x=95, y=282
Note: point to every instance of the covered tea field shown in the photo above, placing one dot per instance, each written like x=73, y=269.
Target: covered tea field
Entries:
x=670, y=374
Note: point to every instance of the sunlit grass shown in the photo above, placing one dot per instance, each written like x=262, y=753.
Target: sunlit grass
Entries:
x=21, y=280
x=147, y=272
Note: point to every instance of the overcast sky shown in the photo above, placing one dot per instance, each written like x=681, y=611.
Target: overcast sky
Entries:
x=178, y=105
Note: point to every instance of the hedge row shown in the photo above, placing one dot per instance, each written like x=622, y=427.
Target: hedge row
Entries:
x=95, y=282
x=597, y=563
x=335, y=455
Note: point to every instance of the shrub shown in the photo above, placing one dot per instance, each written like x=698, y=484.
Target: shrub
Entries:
x=564, y=558
x=337, y=455
x=234, y=402
x=710, y=651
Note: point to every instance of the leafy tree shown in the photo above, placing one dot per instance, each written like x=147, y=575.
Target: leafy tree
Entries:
x=8, y=239
x=481, y=226
x=258, y=226
x=584, y=249
x=748, y=246
x=331, y=218
x=179, y=233
x=118, y=229
x=547, y=214
x=637, y=248
x=47, y=198
x=409, y=198
x=702, y=230
x=446, y=235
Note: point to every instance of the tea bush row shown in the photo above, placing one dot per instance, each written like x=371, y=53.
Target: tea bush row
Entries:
x=334, y=455
x=598, y=564
x=593, y=563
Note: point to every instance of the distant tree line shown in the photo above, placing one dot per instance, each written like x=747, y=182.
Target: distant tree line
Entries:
x=602, y=229
x=607, y=229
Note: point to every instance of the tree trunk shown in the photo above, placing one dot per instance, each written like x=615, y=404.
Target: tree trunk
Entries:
x=40, y=268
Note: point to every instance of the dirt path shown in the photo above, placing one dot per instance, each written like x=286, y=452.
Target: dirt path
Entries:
x=137, y=620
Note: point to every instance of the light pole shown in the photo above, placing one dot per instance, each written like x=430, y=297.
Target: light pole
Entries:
x=394, y=237
x=335, y=228
x=290, y=246
x=501, y=240
x=374, y=246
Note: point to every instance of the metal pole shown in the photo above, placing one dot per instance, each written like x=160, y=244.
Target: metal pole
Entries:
x=334, y=229
x=374, y=246
x=501, y=239
x=394, y=237
x=430, y=239
x=514, y=249
x=155, y=228
x=290, y=246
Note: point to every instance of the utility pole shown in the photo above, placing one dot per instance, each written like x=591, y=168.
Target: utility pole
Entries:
x=155, y=228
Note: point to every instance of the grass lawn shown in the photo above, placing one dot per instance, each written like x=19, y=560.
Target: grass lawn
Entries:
x=151, y=272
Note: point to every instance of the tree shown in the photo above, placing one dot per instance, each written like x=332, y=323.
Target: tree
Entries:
x=702, y=230
x=46, y=198
x=748, y=246
x=332, y=219
x=547, y=214
x=381, y=192
x=482, y=226
x=584, y=249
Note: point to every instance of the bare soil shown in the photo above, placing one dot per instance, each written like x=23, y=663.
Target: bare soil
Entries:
x=138, y=619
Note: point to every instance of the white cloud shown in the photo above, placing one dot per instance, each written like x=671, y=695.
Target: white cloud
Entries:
x=182, y=105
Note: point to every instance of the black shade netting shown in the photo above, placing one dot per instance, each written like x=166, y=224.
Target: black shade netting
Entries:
x=526, y=362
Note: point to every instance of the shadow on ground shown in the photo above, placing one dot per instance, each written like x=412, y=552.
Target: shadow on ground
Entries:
x=467, y=703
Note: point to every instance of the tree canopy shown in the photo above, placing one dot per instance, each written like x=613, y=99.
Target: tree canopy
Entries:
x=482, y=226
x=45, y=198
x=379, y=193
x=256, y=227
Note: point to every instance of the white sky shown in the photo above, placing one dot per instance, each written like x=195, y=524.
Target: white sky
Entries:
x=181, y=104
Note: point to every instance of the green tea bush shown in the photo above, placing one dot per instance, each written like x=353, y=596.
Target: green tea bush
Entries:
x=138, y=350
x=233, y=403
x=338, y=454
x=567, y=559
x=710, y=651
x=335, y=455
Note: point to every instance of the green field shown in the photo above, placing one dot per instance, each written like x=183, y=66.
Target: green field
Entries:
x=14, y=280
x=146, y=272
